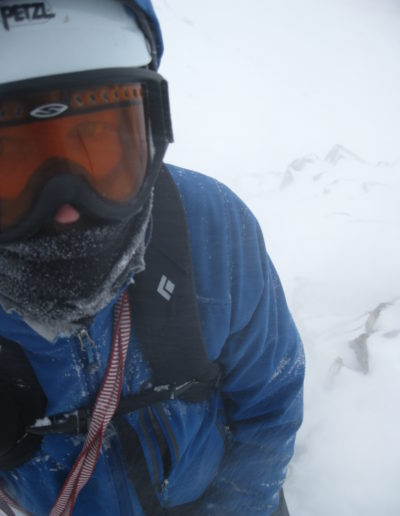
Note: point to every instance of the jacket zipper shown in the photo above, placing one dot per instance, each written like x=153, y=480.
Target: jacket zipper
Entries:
x=87, y=347
x=171, y=443
x=155, y=466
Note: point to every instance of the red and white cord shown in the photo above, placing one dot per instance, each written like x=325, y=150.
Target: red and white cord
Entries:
x=103, y=411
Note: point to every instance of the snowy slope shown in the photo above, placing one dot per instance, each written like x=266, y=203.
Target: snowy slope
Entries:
x=342, y=217
x=295, y=105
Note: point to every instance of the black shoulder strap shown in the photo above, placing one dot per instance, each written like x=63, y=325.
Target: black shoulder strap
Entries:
x=166, y=319
x=163, y=300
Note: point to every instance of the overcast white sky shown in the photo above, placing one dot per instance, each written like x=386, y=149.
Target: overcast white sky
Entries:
x=298, y=76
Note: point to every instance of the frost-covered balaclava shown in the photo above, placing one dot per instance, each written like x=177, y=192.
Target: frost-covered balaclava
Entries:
x=57, y=281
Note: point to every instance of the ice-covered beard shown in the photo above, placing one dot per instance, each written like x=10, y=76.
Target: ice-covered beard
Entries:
x=56, y=281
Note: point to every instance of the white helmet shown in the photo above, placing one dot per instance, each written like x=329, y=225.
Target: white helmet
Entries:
x=62, y=36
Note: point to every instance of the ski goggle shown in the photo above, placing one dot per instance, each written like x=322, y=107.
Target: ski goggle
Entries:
x=92, y=139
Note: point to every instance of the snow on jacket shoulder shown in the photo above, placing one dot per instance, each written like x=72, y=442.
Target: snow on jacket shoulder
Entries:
x=230, y=452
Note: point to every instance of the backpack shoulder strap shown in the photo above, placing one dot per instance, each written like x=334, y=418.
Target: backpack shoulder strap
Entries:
x=163, y=297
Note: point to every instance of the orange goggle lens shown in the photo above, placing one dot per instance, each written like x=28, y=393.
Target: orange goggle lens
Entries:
x=100, y=133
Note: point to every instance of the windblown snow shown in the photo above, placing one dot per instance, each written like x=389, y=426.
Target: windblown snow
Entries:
x=339, y=261
x=296, y=106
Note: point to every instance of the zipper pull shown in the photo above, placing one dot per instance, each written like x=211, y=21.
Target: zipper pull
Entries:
x=164, y=488
x=87, y=345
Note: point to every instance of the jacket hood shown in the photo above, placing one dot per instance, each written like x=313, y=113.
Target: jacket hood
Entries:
x=147, y=8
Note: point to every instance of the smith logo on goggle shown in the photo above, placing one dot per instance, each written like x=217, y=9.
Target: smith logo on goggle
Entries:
x=48, y=110
x=17, y=14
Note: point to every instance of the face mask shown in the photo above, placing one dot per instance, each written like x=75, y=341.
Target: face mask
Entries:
x=56, y=282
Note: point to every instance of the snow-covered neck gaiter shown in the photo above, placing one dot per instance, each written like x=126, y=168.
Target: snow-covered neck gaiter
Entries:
x=56, y=282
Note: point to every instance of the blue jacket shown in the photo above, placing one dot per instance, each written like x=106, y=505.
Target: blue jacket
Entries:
x=235, y=447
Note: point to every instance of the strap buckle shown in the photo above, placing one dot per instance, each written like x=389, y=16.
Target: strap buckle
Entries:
x=76, y=422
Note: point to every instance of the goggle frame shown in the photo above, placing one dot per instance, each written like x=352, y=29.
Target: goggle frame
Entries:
x=61, y=188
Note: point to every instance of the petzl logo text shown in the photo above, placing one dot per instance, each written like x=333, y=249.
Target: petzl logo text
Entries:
x=20, y=14
x=48, y=111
